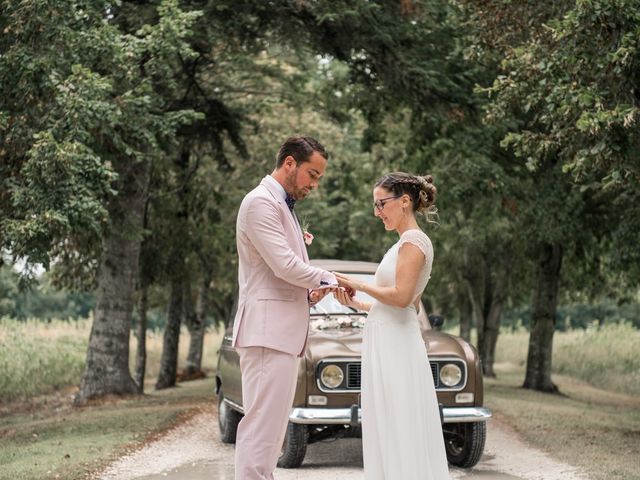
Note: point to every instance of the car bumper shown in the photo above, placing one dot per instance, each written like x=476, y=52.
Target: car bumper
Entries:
x=353, y=416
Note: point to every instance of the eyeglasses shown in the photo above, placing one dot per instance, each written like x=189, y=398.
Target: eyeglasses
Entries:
x=379, y=204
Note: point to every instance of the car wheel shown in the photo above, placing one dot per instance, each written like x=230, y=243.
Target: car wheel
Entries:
x=228, y=420
x=464, y=443
x=294, y=446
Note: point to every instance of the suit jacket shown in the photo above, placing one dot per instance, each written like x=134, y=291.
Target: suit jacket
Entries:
x=274, y=274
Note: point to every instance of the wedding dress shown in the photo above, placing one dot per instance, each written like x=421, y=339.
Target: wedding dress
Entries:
x=401, y=431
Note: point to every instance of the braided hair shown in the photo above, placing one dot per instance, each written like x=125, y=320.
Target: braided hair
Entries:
x=420, y=189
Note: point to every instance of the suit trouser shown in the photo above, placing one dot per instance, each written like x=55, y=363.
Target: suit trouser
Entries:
x=268, y=386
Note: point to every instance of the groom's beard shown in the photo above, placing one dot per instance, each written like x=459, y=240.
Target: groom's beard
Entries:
x=292, y=188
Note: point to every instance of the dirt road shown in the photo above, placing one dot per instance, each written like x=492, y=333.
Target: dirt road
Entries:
x=193, y=451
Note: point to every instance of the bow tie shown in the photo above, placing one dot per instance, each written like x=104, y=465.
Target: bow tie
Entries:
x=290, y=201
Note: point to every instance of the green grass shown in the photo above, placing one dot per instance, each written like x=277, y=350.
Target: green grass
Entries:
x=38, y=358
x=67, y=443
x=594, y=429
x=607, y=358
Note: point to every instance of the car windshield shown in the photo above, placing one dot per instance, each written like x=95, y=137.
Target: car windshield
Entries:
x=330, y=306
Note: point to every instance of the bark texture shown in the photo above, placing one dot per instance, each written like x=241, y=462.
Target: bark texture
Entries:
x=171, y=338
x=466, y=316
x=543, y=314
x=141, y=333
x=487, y=287
x=195, y=320
x=107, y=365
x=177, y=265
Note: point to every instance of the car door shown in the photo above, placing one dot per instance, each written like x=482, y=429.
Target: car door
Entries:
x=229, y=363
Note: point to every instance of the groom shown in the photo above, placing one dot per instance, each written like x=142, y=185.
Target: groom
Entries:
x=272, y=321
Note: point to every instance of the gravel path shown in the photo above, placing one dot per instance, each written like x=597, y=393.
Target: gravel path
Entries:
x=193, y=451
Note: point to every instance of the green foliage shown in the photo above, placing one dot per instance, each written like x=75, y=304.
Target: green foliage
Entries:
x=72, y=122
x=8, y=291
x=577, y=80
x=481, y=202
x=571, y=88
x=42, y=301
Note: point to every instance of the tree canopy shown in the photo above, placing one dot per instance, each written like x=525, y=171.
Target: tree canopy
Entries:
x=130, y=131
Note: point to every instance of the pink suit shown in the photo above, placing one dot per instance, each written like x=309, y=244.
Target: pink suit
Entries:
x=271, y=324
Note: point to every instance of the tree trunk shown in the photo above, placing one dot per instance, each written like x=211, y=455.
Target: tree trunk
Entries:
x=177, y=264
x=171, y=339
x=141, y=352
x=143, y=307
x=466, y=315
x=538, y=376
x=492, y=330
x=107, y=365
x=194, y=319
x=476, y=299
x=487, y=292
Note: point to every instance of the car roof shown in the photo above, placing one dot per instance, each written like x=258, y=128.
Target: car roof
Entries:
x=345, y=266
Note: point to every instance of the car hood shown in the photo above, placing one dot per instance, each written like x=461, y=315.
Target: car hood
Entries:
x=443, y=344
x=347, y=342
x=343, y=342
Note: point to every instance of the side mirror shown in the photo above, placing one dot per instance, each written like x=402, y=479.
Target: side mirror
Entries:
x=436, y=321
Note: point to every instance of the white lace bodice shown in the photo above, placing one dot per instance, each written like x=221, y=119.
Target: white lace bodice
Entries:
x=386, y=273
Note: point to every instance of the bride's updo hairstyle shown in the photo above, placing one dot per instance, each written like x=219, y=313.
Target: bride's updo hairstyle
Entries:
x=420, y=189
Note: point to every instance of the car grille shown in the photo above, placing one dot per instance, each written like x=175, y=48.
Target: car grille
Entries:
x=434, y=372
x=354, y=376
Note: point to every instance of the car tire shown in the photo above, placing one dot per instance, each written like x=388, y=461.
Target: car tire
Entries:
x=294, y=447
x=228, y=420
x=464, y=443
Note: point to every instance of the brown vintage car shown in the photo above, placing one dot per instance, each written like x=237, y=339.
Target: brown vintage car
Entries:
x=327, y=399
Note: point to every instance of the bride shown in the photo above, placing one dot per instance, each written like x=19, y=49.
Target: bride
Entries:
x=401, y=431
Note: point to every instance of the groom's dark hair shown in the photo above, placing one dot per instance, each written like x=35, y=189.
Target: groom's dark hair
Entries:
x=300, y=148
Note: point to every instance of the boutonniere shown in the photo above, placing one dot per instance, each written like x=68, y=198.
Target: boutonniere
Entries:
x=306, y=234
x=308, y=237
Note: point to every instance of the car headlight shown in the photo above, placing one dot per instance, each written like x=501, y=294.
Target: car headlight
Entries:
x=450, y=374
x=331, y=376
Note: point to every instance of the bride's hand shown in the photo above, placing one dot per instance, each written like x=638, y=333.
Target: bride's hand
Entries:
x=349, y=283
x=344, y=297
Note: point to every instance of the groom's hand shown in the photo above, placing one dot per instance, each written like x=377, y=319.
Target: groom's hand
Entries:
x=316, y=295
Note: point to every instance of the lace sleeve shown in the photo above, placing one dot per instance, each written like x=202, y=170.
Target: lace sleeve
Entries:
x=420, y=240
